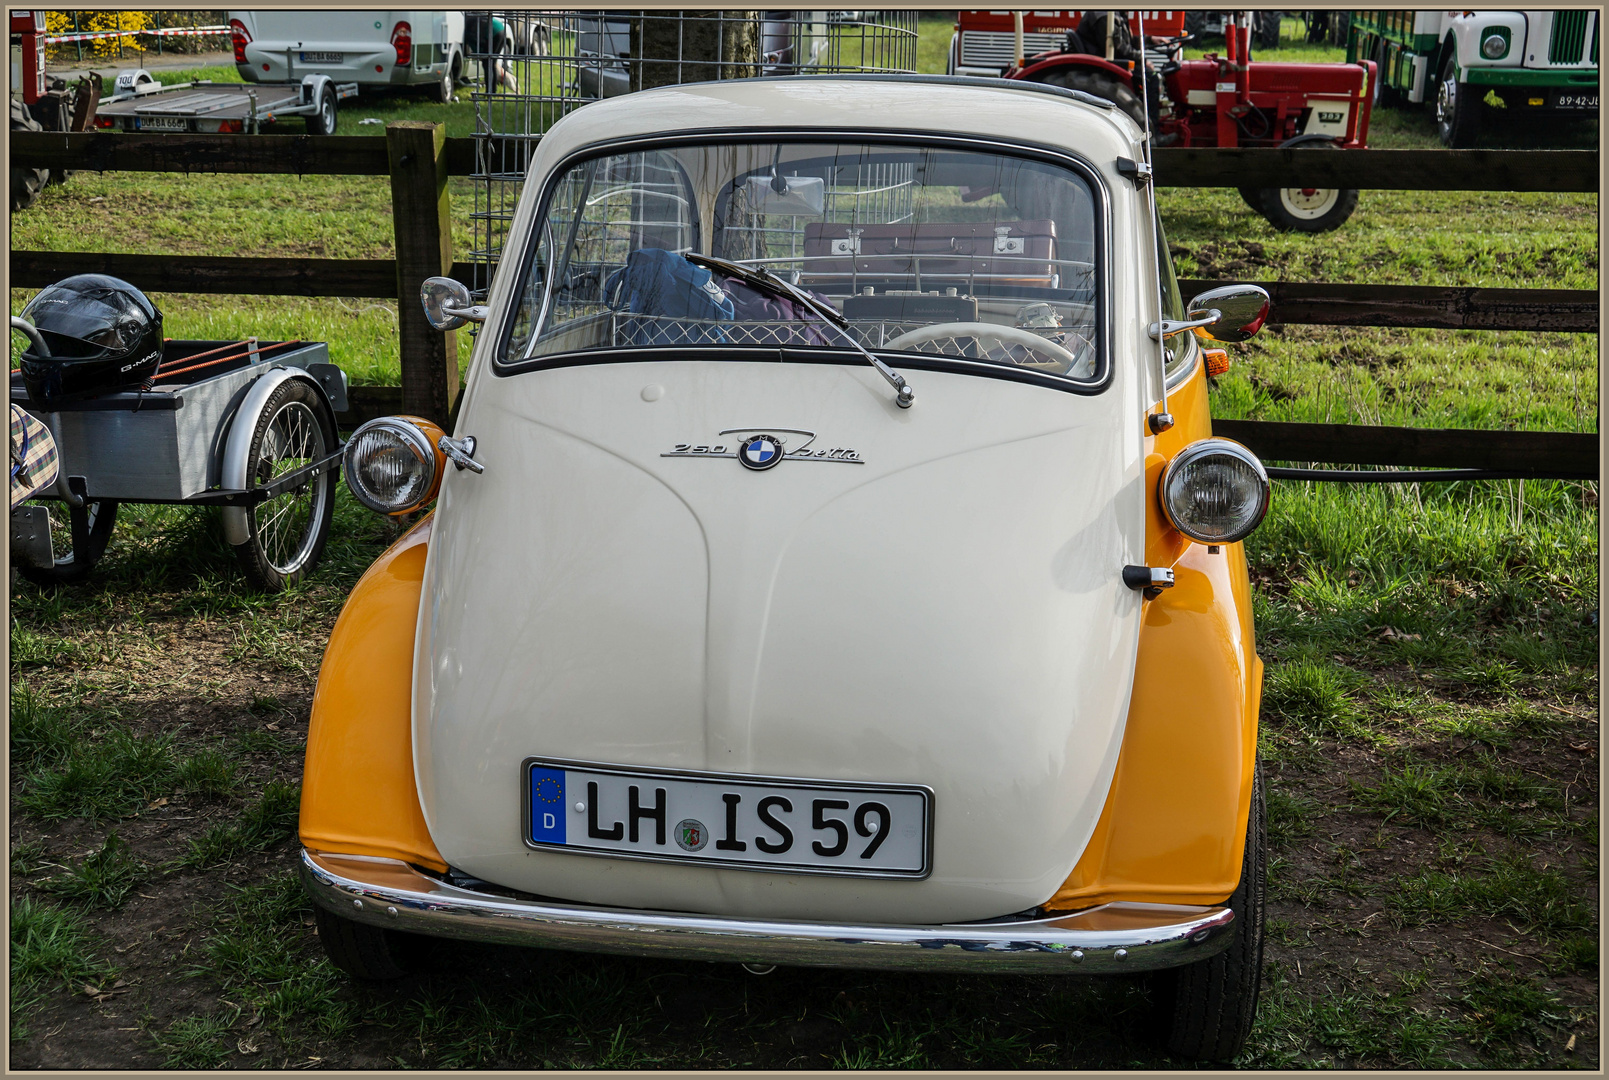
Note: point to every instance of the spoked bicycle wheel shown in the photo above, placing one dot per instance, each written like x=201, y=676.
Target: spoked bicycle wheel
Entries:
x=286, y=532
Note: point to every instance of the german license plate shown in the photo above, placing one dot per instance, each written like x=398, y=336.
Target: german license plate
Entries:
x=1585, y=100
x=724, y=819
x=164, y=123
x=323, y=57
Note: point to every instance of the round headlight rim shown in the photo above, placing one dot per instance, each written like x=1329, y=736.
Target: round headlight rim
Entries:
x=410, y=435
x=1502, y=46
x=1204, y=448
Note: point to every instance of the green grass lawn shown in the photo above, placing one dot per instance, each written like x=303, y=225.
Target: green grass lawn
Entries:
x=1429, y=729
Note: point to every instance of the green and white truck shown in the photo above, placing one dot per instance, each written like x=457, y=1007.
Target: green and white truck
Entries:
x=1466, y=63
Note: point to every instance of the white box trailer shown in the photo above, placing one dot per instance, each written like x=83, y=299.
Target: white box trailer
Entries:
x=370, y=48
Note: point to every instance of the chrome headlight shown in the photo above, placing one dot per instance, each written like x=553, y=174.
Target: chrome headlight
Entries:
x=391, y=465
x=1494, y=46
x=1214, y=491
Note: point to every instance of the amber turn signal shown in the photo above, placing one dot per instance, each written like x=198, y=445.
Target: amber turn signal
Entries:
x=1217, y=361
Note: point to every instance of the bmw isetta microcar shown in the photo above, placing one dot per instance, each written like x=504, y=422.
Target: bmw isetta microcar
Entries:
x=832, y=564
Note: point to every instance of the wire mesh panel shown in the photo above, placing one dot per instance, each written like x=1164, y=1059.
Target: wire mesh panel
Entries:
x=532, y=67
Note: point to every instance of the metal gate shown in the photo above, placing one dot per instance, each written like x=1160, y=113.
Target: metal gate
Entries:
x=533, y=67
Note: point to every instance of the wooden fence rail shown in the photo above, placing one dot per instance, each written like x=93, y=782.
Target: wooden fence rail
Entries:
x=420, y=185
x=1294, y=303
x=1557, y=454
x=363, y=155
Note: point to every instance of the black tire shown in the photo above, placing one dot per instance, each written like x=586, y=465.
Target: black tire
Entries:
x=25, y=183
x=324, y=121
x=442, y=91
x=1385, y=95
x=1252, y=197
x=365, y=952
x=1458, y=109
x=1205, y=1010
x=89, y=529
x=1267, y=29
x=1311, y=210
x=1101, y=85
x=287, y=532
x=1195, y=22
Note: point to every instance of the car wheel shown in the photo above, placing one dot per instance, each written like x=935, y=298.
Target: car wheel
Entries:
x=1101, y=85
x=286, y=533
x=368, y=952
x=442, y=91
x=1310, y=210
x=1205, y=1010
x=323, y=122
x=85, y=535
x=1457, y=108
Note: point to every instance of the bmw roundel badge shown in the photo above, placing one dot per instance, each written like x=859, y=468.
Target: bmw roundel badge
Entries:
x=760, y=451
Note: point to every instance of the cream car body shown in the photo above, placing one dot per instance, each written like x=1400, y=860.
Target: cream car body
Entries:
x=949, y=613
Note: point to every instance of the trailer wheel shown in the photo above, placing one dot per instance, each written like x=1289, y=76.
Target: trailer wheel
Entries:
x=1457, y=108
x=323, y=122
x=1205, y=1010
x=89, y=529
x=1101, y=85
x=1385, y=95
x=286, y=533
x=1310, y=210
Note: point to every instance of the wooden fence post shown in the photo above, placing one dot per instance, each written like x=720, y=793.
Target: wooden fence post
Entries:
x=421, y=215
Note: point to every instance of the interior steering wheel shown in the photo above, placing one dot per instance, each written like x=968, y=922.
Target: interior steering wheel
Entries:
x=1056, y=356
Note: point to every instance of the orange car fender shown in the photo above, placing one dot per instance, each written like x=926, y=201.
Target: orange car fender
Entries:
x=1174, y=825
x=358, y=791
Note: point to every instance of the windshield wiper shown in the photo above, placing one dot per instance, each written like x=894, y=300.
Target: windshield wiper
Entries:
x=766, y=281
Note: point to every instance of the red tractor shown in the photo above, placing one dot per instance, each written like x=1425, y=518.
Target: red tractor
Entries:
x=1215, y=101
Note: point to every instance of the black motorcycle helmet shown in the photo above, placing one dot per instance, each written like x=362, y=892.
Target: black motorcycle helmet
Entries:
x=103, y=334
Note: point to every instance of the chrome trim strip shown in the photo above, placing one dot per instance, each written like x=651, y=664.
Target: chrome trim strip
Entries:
x=1110, y=938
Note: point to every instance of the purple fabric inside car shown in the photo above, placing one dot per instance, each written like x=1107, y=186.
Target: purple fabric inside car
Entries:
x=751, y=305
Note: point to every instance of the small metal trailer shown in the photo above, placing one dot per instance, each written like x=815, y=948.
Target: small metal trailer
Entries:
x=245, y=426
x=207, y=106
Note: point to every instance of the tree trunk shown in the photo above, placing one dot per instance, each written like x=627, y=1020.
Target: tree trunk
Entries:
x=694, y=46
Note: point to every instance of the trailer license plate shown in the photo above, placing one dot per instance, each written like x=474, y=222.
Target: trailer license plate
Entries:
x=164, y=123
x=721, y=819
x=1568, y=100
x=323, y=57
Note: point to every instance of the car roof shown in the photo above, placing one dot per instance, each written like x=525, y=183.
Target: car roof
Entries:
x=936, y=104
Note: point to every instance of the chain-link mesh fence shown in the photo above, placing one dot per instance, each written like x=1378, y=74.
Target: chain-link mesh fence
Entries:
x=529, y=68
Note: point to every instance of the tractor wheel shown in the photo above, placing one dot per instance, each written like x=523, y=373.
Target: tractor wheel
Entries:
x=1101, y=85
x=1267, y=29
x=1311, y=210
x=1253, y=197
x=1458, y=108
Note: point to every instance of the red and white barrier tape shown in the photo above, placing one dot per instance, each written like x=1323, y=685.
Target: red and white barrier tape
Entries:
x=180, y=31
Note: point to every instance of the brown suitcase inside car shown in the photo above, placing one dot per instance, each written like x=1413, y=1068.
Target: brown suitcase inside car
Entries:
x=943, y=253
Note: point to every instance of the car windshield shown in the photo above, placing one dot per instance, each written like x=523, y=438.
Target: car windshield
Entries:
x=978, y=256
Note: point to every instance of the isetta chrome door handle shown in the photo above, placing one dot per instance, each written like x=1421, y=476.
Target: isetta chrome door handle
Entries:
x=461, y=452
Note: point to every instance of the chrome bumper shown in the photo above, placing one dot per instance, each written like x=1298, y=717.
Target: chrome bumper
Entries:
x=1109, y=938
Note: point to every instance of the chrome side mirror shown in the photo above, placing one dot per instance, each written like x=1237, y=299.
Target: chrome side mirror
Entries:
x=1236, y=312
x=447, y=304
